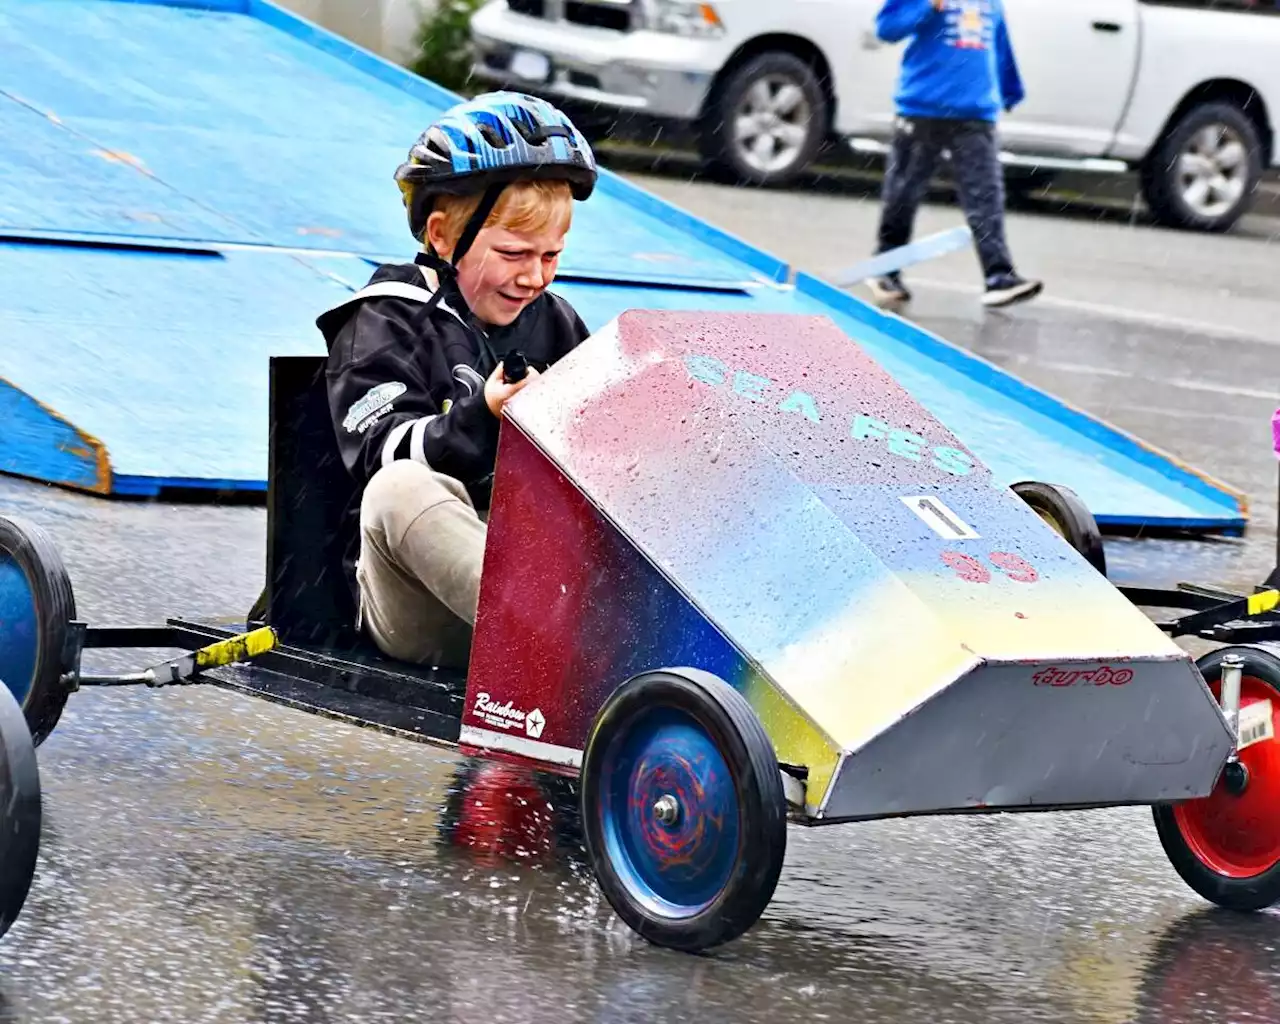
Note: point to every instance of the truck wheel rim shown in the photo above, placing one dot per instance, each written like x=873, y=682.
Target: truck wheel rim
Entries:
x=1212, y=170
x=771, y=124
x=19, y=628
x=673, y=863
x=1238, y=836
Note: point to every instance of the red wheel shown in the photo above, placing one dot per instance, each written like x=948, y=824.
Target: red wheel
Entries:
x=1226, y=846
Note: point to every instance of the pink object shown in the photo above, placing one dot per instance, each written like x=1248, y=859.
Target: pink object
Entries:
x=1275, y=432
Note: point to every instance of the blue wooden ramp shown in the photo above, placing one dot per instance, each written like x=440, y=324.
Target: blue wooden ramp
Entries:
x=184, y=186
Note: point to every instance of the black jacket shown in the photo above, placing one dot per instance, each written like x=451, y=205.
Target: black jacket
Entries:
x=407, y=382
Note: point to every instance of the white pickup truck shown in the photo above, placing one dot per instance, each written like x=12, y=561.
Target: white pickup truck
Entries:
x=1186, y=92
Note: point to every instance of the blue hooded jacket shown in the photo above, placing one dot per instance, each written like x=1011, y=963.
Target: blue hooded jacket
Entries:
x=959, y=63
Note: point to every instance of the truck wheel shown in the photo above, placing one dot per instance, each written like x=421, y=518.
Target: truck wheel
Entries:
x=1226, y=846
x=1068, y=516
x=36, y=603
x=1203, y=173
x=765, y=121
x=683, y=811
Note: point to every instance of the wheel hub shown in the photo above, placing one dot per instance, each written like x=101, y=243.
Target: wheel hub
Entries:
x=1235, y=778
x=772, y=124
x=667, y=809
x=1235, y=831
x=1212, y=171
x=19, y=652
x=670, y=814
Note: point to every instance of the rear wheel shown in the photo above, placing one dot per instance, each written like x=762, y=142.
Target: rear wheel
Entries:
x=36, y=604
x=1068, y=516
x=1226, y=846
x=20, y=811
x=683, y=809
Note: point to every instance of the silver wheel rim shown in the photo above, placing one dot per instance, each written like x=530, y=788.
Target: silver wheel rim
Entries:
x=771, y=124
x=1212, y=171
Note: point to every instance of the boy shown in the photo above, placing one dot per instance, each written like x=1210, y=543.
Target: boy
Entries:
x=958, y=72
x=415, y=371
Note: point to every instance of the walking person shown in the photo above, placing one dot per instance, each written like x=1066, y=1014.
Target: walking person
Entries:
x=958, y=74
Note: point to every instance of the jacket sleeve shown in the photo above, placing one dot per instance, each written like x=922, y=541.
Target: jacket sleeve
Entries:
x=901, y=18
x=1011, y=90
x=575, y=331
x=382, y=407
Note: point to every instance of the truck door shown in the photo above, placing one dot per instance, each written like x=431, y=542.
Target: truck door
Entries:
x=866, y=74
x=1077, y=59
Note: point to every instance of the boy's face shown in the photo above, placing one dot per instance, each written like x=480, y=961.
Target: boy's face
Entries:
x=506, y=270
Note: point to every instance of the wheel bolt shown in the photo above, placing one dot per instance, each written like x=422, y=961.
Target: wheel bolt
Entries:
x=1235, y=777
x=667, y=809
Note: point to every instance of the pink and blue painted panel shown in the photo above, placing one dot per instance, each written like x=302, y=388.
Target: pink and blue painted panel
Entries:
x=576, y=609
x=811, y=508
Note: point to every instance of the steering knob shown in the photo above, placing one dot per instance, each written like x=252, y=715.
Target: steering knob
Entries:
x=515, y=367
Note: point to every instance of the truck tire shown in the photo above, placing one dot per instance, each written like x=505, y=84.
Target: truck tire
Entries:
x=765, y=121
x=1203, y=173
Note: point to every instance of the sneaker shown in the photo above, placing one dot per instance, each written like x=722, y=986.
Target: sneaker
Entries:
x=889, y=290
x=1007, y=289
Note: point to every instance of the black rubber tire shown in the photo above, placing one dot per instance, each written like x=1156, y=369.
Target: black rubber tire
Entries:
x=1063, y=510
x=1158, y=173
x=20, y=810
x=34, y=552
x=715, y=128
x=728, y=719
x=1240, y=894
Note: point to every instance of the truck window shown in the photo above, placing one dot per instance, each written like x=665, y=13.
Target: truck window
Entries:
x=1241, y=6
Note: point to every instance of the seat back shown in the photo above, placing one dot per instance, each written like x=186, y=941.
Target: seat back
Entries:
x=308, y=598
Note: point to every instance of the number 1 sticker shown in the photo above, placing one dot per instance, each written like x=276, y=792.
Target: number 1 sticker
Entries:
x=939, y=518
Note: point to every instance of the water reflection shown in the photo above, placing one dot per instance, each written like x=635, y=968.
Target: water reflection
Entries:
x=212, y=858
x=1213, y=965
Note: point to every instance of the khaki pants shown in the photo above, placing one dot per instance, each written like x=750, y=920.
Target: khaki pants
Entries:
x=421, y=551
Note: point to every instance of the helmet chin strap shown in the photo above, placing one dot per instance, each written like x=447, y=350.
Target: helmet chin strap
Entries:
x=447, y=270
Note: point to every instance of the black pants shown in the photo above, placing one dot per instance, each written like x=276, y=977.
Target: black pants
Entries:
x=918, y=144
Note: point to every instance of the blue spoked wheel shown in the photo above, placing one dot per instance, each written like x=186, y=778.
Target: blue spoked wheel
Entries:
x=36, y=603
x=19, y=810
x=683, y=810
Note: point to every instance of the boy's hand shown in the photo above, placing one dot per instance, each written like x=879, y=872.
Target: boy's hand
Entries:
x=497, y=391
x=939, y=4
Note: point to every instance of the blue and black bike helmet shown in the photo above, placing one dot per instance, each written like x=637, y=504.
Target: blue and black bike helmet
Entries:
x=486, y=144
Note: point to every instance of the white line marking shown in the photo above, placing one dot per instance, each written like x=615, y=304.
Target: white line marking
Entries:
x=1114, y=312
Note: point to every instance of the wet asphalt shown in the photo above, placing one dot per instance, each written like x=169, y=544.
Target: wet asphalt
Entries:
x=209, y=857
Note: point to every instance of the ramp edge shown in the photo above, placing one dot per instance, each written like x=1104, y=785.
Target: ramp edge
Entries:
x=41, y=444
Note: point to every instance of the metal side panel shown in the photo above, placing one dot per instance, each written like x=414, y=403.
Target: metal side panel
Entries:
x=1049, y=734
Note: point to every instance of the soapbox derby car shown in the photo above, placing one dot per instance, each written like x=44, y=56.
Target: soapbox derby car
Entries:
x=735, y=575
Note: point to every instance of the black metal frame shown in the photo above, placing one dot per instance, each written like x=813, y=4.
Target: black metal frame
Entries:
x=356, y=686
x=1216, y=615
